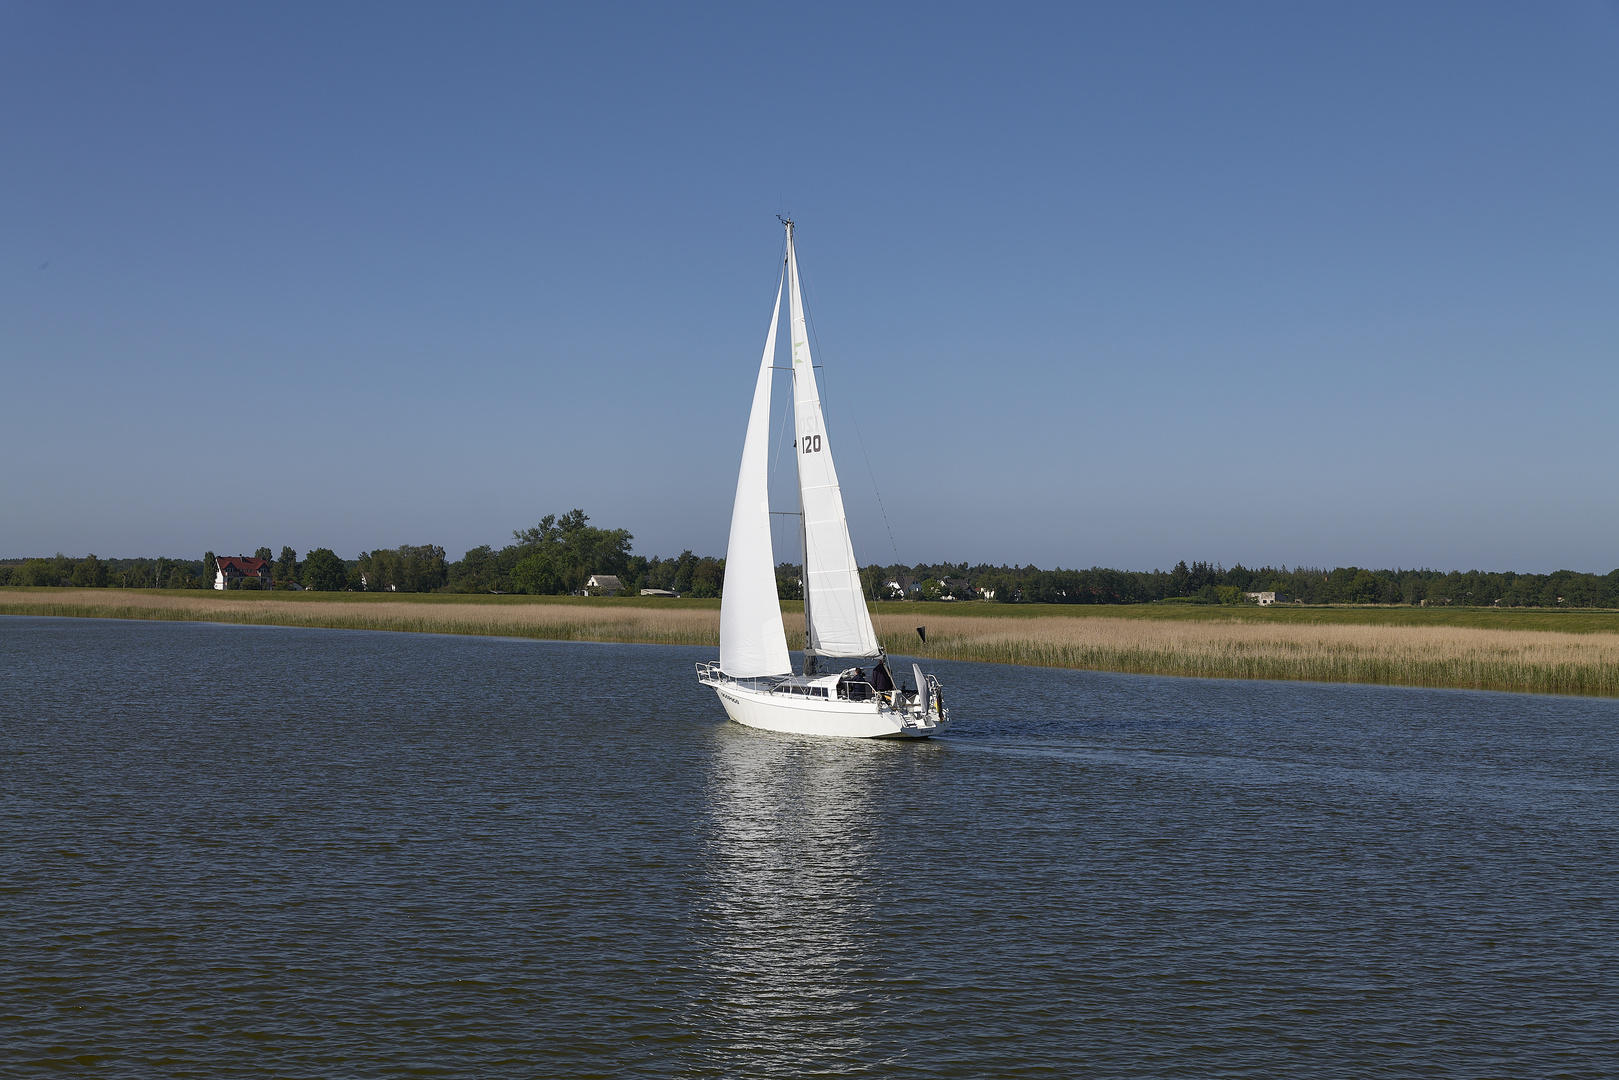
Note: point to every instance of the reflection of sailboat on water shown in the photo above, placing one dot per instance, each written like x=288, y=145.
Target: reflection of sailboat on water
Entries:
x=754, y=677
x=791, y=881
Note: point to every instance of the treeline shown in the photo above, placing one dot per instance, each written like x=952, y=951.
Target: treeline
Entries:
x=556, y=556
x=91, y=572
x=321, y=570
x=1211, y=583
x=560, y=555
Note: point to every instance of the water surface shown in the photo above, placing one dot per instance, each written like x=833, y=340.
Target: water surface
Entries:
x=268, y=851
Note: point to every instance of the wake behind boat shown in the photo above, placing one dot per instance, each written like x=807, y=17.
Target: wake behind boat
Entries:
x=754, y=677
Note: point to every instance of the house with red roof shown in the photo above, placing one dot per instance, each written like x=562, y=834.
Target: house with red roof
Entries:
x=232, y=568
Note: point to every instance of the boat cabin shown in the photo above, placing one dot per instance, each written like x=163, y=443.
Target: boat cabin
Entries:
x=847, y=685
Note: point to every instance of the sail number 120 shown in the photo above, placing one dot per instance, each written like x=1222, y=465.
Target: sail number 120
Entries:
x=810, y=443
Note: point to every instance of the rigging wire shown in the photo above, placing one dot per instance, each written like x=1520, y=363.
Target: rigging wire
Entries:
x=780, y=296
x=809, y=317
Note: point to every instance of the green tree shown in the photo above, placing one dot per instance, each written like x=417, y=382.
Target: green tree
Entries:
x=286, y=567
x=209, y=569
x=708, y=578
x=635, y=575
x=478, y=571
x=46, y=571
x=90, y=573
x=324, y=571
x=684, y=565
x=263, y=553
x=789, y=582
x=404, y=569
x=538, y=575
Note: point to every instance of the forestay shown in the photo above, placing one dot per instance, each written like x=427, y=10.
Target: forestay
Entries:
x=752, y=641
x=835, y=614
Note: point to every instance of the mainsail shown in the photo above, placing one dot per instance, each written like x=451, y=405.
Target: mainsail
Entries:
x=836, y=620
x=752, y=641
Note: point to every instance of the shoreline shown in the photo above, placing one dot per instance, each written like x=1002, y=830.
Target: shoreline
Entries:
x=1513, y=650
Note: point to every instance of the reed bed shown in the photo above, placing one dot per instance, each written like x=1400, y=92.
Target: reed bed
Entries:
x=1533, y=661
x=1536, y=661
x=556, y=622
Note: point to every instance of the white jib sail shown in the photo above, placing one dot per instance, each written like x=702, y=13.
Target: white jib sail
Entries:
x=838, y=623
x=752, y=640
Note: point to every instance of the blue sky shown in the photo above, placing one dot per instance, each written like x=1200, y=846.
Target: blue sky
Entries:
x=1092, y=284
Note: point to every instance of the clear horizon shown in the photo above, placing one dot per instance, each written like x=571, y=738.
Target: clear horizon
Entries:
x=1092, y=287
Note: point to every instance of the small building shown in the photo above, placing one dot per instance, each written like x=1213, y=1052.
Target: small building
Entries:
x=602, y=585
x=901, y=587
x=1265, y=598
x=660, y=592
x=229, y=569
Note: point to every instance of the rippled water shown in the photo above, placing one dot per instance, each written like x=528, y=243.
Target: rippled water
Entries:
x=326, y=853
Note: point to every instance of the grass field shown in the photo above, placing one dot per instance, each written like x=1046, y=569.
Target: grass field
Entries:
x=1560, y=652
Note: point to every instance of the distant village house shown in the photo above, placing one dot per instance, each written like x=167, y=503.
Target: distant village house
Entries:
x=602, y=585
x=229, y=569
x=1265, y=598
x=901, y=587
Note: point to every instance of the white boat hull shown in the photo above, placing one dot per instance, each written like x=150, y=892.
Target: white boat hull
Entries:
x=812, y=716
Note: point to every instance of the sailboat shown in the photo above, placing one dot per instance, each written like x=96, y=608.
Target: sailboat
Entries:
x=754, y=677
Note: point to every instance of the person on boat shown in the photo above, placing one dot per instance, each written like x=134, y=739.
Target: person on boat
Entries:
x=859, y=686
x=846, y=684
x=882, y=682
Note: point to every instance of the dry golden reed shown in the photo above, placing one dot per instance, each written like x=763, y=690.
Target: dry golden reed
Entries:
x=1538, y=661
x=558, y=622
x=1541, y=661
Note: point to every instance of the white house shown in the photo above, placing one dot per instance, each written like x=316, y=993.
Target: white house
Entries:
x=229, y=569
x=900, y=587
x=1264, y=598
x=602, y=585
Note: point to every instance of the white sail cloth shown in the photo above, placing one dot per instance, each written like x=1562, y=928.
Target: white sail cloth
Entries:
x=752, y=640
x=835, y=614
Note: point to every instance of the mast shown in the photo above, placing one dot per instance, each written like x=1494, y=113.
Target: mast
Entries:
x=803, y=533
x=803, y=584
